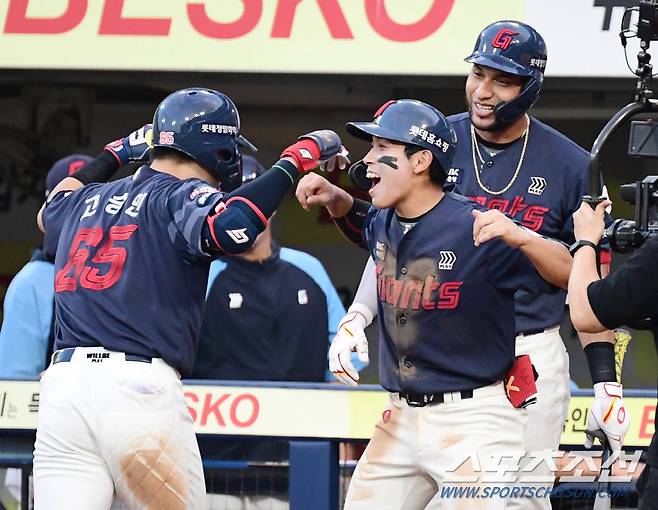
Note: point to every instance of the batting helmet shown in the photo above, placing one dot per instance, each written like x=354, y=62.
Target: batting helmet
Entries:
x=413, y=122
x=205, y=125
x=515, y=48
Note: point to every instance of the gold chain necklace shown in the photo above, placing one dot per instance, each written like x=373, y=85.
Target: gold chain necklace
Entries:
x=476, y=151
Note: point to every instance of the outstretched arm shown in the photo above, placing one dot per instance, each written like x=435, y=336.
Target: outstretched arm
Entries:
x=550, y=258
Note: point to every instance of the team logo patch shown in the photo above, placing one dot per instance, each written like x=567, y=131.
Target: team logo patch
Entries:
x=302, y=296
x=202, y=190
x=304, y=153
x=453, y=175
x=234, y=300
x=239, y=235
x=503, y=38
x=446, y=260
x=537, y=185
x=380, y=250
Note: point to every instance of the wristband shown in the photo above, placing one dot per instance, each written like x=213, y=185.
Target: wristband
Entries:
x=601, y=360
x=100, y=169
x=579, y=244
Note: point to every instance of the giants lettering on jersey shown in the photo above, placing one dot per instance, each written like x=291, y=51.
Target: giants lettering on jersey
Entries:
x=530, y=216
x=430, y=294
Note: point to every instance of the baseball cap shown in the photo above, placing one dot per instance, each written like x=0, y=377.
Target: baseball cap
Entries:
x=63, y=168
x=251, y=168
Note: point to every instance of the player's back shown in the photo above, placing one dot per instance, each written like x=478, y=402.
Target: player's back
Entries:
x=130, y=274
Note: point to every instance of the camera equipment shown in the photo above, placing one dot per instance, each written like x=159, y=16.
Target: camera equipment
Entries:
x=628, y=235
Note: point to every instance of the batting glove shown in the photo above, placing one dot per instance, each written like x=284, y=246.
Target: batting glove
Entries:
x=608, y=419
x=350, y=338
x=314, y=148
x=134, y=148
x=339, y=162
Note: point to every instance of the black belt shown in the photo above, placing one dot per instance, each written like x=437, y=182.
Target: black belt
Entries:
x=65, y=355
x=531, y=332
x=425, y=399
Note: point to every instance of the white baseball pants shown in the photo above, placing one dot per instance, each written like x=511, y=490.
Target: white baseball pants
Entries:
x=410, y=462
x=107, y=426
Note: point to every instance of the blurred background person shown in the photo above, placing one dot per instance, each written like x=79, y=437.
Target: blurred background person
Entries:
x=26, y=337
x=271, y=314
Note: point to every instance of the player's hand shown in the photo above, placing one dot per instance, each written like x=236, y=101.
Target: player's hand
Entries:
x=494, y=224
x=313, y=189
x=339, y=162
x=589, y=223
x=134, y=148
x=313, y=148
x=350, y=338
x=608, y=418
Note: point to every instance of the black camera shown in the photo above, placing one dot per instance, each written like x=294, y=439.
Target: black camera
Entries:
x=628, y=235
x=647, y=26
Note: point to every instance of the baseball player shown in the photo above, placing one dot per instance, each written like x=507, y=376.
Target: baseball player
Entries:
x=511, y=162
x=130, y=280
x=445, y=292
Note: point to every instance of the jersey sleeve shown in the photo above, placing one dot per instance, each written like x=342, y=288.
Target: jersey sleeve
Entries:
x=368, y=231
x=56, y=210
x=186, y=205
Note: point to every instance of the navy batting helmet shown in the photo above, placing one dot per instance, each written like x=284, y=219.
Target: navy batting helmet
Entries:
x=413, y=122
x=515, y=48
x=205, y=125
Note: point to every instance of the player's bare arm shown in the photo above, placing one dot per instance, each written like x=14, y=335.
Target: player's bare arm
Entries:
x=550, y=258
x=588, y=226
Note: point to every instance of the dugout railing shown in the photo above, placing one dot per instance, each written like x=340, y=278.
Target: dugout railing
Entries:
x=315, y=418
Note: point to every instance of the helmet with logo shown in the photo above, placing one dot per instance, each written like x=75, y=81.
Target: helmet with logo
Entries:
x=515, y=48
x=411, y=122
x=205, y=125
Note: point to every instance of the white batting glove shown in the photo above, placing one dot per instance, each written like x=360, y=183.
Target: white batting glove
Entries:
x=608, y=418
x=350, y=338
x=339, y=162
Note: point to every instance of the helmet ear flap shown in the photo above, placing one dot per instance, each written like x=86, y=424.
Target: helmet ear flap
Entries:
x=508, y=111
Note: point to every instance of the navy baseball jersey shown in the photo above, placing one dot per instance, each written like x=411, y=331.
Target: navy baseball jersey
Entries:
x=543, y=196
x=128, y=253
x=446, y=307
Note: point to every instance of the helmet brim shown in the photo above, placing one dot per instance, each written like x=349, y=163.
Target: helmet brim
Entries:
x=498, y=62
x=243, y=142
x=366, y=130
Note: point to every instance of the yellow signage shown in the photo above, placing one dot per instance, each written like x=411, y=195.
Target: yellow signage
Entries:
x=428, y=37
x=300, y=412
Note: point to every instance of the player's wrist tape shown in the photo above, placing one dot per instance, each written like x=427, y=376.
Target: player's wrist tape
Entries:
x=100, y=169
x=601, y=360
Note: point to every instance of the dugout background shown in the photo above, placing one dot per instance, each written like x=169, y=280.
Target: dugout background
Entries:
x=49, y=114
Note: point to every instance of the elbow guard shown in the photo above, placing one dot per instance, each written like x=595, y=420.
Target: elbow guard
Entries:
x=233, y=228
